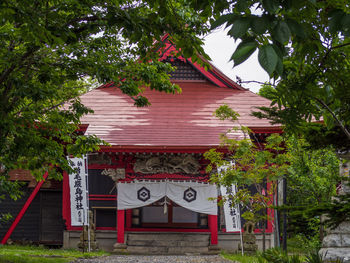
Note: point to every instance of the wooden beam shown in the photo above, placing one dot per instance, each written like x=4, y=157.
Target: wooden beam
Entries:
x=23, y=210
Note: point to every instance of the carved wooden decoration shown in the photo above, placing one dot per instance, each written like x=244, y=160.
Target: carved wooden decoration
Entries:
x=115, y=174
x=183, y=164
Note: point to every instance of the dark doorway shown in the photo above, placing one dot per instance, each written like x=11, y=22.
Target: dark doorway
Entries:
x=51, y=231
x=175, y=216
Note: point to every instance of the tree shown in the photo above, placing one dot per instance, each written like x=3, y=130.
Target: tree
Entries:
x=51, y=52
x=257, y=167
x=305, y=47
x=312, y=178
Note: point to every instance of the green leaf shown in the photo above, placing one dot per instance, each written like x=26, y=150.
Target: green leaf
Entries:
x=279, y=66
x=282, y=32
x=243, y=52
x=222, y=20
x=346, y=25
x=239, y=27
x=259, y=24
x=271, y=5
x=268, y=58
x=242, y=5
x=296, y=28
x=335, y=21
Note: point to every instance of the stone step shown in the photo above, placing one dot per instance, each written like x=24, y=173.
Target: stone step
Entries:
x=162, y=243
x=166, y=250
x=167, y=243
x=192, y=249
x=193, y=237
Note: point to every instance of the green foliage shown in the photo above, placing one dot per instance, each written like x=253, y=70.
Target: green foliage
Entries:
x=254, y=165
x=8, y=189
x=316, y=257
x=268, y=58
x=305, y=47
x=281, y=28
x=267, y=91
x=312, y=175
x=302, y=245
x=239, y=258
x=336, y=211
x=243, y=51
x=33, y=254
x=311, y=183
x=276, y=255
x=52, y=51
x=225, y=112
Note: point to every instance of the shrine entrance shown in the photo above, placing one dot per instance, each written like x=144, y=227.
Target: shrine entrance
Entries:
x=167, y=204
x=167, y=214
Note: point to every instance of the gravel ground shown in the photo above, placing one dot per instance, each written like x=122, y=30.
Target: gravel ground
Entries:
x=155, y=259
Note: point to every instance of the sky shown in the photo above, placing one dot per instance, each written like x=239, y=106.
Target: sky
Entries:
x=220, y=47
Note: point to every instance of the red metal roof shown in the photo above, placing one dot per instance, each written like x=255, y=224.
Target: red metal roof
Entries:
x=184, y=119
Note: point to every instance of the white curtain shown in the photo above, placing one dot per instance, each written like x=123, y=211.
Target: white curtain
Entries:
x=191, y=195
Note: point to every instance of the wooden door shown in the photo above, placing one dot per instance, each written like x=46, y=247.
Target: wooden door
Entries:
x=51, y=218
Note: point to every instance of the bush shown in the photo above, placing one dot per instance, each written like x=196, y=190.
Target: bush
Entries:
x=302, y=244
x=276, y=255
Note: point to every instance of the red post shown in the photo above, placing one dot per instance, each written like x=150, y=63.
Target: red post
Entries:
x=120, y=226
x=128, y=222
x=213, y=226
x=66, y=200
x=23, y=210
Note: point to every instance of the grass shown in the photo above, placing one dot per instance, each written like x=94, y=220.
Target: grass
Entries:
x=34, y=254
x=239, y=258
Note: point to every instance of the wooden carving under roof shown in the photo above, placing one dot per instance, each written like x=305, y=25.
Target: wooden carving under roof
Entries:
x=183, y=164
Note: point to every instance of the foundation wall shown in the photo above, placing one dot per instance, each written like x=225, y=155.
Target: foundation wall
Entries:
x=107, y=238
x=229, y=242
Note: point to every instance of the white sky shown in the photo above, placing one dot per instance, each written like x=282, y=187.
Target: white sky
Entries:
x=220, y=48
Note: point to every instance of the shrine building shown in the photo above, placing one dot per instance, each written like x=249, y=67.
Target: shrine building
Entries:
x=149, y=190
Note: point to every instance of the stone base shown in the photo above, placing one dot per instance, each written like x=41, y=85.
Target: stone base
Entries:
x=332, y=254
x=120, y=248
x=85, y=246
x=336, y=245
x=213, y=250
x=107, y=238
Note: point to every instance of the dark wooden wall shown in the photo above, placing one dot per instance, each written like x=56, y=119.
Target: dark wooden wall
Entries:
x=42, y=222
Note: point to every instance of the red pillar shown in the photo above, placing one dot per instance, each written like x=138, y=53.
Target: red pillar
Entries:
x=128, y=222
x=24, y=209
x=120, y=226
x=213, y=226
x=66, y=201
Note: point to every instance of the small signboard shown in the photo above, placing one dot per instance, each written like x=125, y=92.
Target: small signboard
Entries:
x=231, y=211
x=78, y=191
x=232, y=215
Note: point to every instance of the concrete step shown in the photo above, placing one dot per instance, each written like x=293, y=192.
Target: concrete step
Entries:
x=167, y=243
x=145, y=250
x=193, y=237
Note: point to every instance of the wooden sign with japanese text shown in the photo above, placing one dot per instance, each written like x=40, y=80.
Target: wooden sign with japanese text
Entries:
x=78, y=191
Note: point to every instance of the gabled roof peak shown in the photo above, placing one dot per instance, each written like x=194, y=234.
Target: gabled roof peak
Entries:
x=213, y=74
